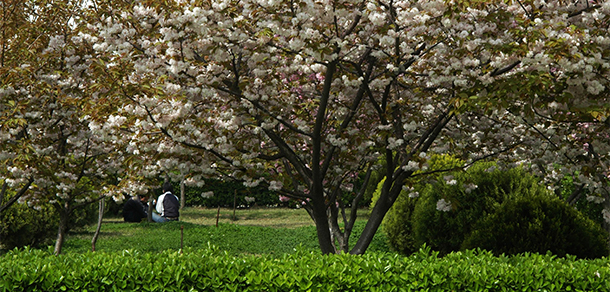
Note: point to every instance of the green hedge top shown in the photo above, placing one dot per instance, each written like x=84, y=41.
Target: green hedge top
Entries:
x=209, y=270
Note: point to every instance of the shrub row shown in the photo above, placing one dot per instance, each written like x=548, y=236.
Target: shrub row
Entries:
x=209, y=270
x=216, y=193
x=224, y=194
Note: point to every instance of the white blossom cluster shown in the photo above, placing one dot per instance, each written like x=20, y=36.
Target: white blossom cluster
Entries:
x=443, y=205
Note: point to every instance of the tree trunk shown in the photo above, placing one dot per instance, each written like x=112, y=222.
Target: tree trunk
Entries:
x=151, y=200
x=61, y=232
x=182, y=195
x=606, y=224
x=317, y=188
x=323, y=231
x=389, y=193
x=99, y=224
x=338, y=236
x=394, y=182
x=2, y=192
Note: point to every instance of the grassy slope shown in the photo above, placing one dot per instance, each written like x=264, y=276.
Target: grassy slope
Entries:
x=256, y=231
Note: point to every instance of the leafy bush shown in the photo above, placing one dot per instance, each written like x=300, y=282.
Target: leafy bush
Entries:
x=398, y=225
x=590, y=209
x=84, y=215
x=377, y=175
x=539, y=224
x=445, y=231
x=398, y=222
x=21, y=225
x=210, y=270
x=508, y=212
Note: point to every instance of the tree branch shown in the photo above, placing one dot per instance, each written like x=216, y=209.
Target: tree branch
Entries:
x=294, y=159
x=543, y=136
x=21, y=192
x=501, y=71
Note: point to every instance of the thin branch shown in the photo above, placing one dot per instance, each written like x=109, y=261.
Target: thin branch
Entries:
x=80, y=205
x=289, y=154
x=498, y=72
x=355, y=22
x=543, y=136
x=264, y=110
x=356, y=201
x=21, y=192
x=529, y=15
x=576, y=195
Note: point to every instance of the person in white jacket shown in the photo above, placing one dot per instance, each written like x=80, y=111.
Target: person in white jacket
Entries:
x=168, y=205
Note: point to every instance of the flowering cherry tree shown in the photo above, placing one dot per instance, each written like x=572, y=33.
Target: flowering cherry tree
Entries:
x=305, y=96
x=47, y=144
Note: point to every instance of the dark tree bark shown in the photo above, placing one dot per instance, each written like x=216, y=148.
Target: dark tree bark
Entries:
x=151, y=200
x=99, y=224
x=22, y=191
x=64, y=217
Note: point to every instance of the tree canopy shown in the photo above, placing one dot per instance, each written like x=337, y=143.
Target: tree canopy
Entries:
x=304, y=97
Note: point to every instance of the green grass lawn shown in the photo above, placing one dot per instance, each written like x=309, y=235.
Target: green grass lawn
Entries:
x=261, y=216
x=273, y=231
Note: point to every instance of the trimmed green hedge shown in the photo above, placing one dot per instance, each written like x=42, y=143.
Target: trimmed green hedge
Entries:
x=210, y=270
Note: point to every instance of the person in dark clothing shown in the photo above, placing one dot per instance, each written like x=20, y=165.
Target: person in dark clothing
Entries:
x=135, y=209
x=168, y=205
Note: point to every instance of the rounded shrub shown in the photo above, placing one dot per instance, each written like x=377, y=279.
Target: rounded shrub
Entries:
x=398, y=221
x=450, y=208
x=539, y=224
x=397, y=225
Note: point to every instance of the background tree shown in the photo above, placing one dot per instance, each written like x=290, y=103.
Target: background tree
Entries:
x=49, y=144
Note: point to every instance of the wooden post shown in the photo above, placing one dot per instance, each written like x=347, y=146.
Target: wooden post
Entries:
x=181, y=237
x=217, y=216
x=234, y=204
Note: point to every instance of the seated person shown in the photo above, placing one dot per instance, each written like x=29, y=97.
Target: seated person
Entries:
x=168, y=205
x=135, y=209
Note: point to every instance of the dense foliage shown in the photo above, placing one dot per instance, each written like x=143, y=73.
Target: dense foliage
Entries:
x=22, y=225
x=538, y=224
x=582, y=199
x=485, y=207
x=210, y=270
x=444, y=226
